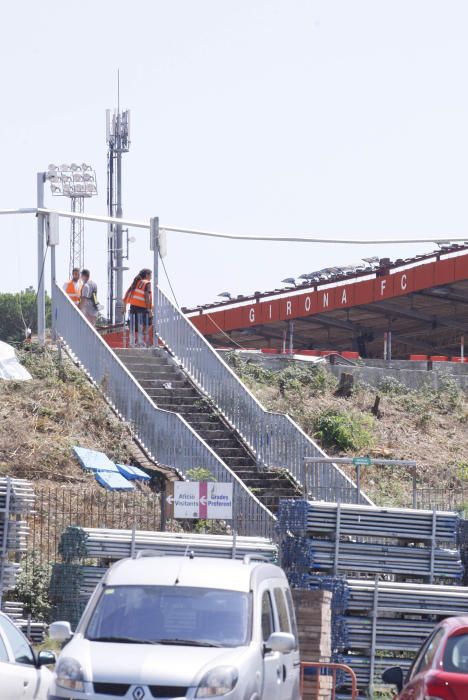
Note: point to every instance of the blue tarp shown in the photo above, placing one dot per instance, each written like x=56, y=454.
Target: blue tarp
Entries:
x=133, y=473
x=114, y=481
x=94, y=461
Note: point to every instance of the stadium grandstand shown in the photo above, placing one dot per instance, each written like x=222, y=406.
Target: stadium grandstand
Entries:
x=414, y=308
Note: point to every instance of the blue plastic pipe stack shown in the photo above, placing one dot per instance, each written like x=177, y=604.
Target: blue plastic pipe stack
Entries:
x=407, y=608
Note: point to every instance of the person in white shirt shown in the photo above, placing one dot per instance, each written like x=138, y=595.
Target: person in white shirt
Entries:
x=88, y=299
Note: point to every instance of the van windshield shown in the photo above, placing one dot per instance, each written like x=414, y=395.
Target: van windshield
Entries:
x=172, y=615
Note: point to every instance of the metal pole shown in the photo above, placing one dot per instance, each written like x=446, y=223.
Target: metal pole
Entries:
x=415, y=497
x=119, y=307
x=337, y=538
x=358, y=482
x=110, y=236
x=375, y=609
x=291, y=336
x=53, y=281
x=41, y=318
x=154, y=245
x=389, y=346
x=133, y=542
x=433, y=544
x=462, y=348
x=4, y=551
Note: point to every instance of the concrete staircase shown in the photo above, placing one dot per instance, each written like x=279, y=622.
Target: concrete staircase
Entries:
x=171, y=390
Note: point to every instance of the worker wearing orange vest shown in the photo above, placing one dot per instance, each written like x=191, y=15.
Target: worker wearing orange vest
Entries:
x=73, y=286
x=140, y=298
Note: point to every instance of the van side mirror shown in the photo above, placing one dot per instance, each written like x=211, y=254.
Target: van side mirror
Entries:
x=393, y=676
x=46, y=658
x=60, y=631
x=282, y=642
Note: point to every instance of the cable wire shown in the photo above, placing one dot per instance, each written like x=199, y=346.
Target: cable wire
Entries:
x=231, y=340
x=170, y=283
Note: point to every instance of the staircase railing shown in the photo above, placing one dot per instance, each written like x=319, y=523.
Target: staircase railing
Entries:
x=274, y=438
x=167, y=436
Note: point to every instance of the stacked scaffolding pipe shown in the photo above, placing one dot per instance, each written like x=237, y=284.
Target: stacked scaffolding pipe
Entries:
x=16, y=504
x=35, y=631
x=118, y=544
x=376, y=624
x=373, y=558
x=73, y=581
x=408, y=598
x=369, y=521
x=354, y=539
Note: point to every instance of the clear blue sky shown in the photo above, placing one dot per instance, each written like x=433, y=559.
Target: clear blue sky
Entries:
x=344, y=117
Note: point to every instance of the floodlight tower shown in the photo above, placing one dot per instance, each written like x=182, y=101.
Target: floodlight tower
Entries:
x=77, y=182
x=118, y=142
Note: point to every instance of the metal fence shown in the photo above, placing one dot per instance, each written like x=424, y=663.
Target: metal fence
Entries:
x=57, y=508
x=275, y=439
x=167, y=436
x=442, y=499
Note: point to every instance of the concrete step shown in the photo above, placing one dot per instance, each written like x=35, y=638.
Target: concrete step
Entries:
x=169, y=404
x=188, y=412
x=272, y=494
x=253, y=472
x=158, y=372
x=234, y=462
x=228, y=452
x=223, y=442
x=270, y=486
x=184, y=393
x=149, y=384
x=142, y=355
x=196, y=418
x=133, y=352
x=214, y=432
x=138, y=367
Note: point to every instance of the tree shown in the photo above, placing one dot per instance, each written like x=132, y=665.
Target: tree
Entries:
x=17, y=313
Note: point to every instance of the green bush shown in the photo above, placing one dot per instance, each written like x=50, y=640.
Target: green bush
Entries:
x=448, y=394
x=200, y=474
x=18, y=311
x=32, y=587
x=391, y=386
x=314, y=379
x=344, y=431
x=293, y=377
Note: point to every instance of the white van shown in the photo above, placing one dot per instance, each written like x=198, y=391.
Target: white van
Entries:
x=183, y=627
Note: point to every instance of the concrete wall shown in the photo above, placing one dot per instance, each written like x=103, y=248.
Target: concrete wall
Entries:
x=413, y=374
x=412, y=378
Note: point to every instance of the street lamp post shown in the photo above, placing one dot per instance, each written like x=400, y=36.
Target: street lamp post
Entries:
x=41, y=316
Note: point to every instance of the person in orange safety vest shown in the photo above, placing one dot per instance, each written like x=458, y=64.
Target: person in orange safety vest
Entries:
x=73, y=286
x=140, y=298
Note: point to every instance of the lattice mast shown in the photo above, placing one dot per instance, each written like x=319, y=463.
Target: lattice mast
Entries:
x=118, y=142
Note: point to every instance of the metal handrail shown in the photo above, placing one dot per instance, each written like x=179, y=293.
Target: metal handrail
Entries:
x=167, y=436
x=334, y=667
x=274, y=438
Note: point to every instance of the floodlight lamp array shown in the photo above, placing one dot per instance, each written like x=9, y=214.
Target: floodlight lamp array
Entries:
x=72, y=180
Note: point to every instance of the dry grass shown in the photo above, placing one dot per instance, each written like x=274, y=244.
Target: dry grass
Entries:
x=429, y=427
x=41, y=420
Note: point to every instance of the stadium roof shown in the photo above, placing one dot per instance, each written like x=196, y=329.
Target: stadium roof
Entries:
x=423, y=301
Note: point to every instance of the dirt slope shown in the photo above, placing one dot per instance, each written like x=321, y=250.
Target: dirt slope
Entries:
x=42, y=419
x=427, y=426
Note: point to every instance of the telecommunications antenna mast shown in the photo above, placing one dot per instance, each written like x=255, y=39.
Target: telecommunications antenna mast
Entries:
x=77, y=182
x=118, y=142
